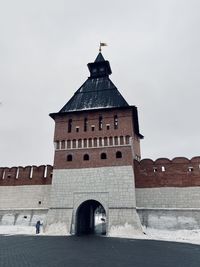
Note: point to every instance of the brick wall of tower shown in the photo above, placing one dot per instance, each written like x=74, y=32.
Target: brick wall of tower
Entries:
x=95, y=141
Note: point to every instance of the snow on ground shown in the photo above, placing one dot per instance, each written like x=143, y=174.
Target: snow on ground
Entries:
x=186, y=236
x=53, y=229
x=126, y=231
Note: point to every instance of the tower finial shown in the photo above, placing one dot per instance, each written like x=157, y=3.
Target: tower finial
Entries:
x=102, y=44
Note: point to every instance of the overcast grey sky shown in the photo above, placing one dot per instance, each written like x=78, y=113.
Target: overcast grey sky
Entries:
x=154, y=52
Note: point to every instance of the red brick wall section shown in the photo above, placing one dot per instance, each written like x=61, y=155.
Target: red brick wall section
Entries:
x=29, y=175
x=178, y=172
x=125, y=122
x=60, y=160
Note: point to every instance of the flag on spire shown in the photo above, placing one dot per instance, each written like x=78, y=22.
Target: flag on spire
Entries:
x=102, y=44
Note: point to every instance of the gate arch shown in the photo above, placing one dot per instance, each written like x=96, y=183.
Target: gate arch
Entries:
x=90, y=218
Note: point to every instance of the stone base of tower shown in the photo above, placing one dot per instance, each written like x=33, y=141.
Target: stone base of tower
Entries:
x=112, y=187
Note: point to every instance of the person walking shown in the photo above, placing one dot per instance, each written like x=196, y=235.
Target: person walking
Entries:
x=37, y=226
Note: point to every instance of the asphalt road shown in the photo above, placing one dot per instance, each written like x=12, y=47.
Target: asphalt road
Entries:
x=41, y=251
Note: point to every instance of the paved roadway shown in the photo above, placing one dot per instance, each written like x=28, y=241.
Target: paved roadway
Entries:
x=41, y=251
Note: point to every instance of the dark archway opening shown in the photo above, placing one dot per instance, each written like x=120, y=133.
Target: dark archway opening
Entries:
x=91, y=218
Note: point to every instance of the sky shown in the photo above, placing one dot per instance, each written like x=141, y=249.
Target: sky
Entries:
x=153, y=49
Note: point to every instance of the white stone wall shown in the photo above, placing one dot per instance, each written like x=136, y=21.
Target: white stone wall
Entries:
x=113, y=187
x=24, y=197
x=169, y=207
x=168, y=197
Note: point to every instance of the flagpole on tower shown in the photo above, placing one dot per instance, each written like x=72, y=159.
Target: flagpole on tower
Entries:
x=100, y=46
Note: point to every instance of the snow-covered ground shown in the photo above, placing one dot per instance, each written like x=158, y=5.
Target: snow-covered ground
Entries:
x=54, y=229
x=126, y=231
x=187, y=236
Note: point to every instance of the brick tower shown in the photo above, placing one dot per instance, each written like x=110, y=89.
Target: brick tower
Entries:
x=96, y=141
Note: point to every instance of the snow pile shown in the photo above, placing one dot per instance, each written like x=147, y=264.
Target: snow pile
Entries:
x=17, y=230
x=126, y=230
x=56, y=229
x=53, y=229
x=188, y=236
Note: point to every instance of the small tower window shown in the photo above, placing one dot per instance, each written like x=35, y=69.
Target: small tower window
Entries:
x=110, y=141
x=100, y=141
x=85, y=142
x=105, y=141
x=86, y=157
x=69, y=125
x=100, y=123
x=92, y=128
x=90, y=142
x=68, y=143
x=163, y=168
x=103, y=156
x=108, y=126
x=127, y=139
x=79, y=143
x=85, y=124
x=69, y=157
x=121, y=140
x=77, y=129
x=118, y=154
x=116, y=140
x=115, y=122
x=57, y=144
x=190, y=169
x=155, y=169
x=63, y=144
x=74, y=143
x=95, y=142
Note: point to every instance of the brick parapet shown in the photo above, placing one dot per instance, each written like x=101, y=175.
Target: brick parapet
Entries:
x=163, y=172
x=29, y=175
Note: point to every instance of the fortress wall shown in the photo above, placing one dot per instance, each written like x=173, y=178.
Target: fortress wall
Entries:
x=24, y=205
x=168, y=193
x=29, y=175
x=24, y=194
x=24, y=197
x=179, y=172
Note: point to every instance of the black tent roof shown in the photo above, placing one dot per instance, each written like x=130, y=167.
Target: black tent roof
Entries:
x=98, y=91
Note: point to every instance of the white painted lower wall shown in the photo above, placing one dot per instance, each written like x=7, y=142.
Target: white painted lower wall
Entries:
x=24, y=196
x=168, y=197
x=169, y=207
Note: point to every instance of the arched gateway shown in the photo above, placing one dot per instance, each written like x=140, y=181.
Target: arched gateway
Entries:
x=90, y=218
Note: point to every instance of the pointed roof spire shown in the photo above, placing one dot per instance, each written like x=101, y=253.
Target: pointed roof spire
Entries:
x=99, y=58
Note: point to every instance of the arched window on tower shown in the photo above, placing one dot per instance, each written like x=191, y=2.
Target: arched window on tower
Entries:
x=79, y=143
x=103, y=156
x=86, y=157
x=90, y=142
x=69, y=125
x=121, y=140
x=118, y=154
x=105, y=141
x=100, y=123
x=74, y=143
x=127, y=139
x=69, y=157
x=116, y=140
x=95, y=142
x=85, y=124
x=115, y=122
